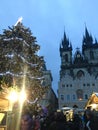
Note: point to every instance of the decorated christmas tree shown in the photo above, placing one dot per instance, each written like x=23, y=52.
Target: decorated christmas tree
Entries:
x=20, y=65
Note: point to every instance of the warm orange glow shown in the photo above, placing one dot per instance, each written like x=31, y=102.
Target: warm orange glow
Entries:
x=80, y=99
x=13, y=96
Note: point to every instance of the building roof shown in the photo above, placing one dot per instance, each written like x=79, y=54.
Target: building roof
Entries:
x=93, y=99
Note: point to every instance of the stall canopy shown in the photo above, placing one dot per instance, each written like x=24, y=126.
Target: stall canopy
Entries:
x=92, y=101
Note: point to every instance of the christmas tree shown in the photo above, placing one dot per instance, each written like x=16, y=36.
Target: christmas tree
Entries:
x=20, y=65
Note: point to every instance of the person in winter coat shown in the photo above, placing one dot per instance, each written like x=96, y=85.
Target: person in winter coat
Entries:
x=36, y=119
x=92, y=123
x=85, y=120
x=26, y=122
x=59, y=122
x=77, y=122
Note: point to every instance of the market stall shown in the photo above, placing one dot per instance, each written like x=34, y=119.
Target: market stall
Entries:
x=10, y=110
x=4, y=107
x=92, y=102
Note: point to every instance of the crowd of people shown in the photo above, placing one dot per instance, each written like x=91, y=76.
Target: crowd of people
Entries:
x=57, y=121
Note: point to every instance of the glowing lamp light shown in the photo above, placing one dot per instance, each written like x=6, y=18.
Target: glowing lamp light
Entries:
x=13, y=97
x=80, y=99
x=22, y=96
x=94, y=106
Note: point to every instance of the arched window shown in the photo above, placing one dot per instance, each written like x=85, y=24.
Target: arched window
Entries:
x=79, y=93
x=80, y=73
x=68, y=97
x=73, y=97
x=66, y=57
x=62, y=97
x=86, y=96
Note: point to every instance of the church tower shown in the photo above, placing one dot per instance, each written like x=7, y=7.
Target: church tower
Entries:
x=65, y=54
x=90, y=48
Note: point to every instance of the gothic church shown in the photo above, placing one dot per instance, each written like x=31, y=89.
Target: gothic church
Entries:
x=78, y=72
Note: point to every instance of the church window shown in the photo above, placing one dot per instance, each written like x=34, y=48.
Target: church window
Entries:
x=91, y=55
x=84, y=85
x=62, y=97
x=68, y=97
x=67, y=85
x=66, y=57
x=78, y=55
x=86, y=96
x=73, y=97
x=70, y=85
x=88, y=84
x=79, y=93
x=80, y=73
x=93, y=84
x=63, y=85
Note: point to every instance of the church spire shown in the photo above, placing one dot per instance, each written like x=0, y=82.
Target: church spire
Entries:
x=87, y=38
x=65, y=43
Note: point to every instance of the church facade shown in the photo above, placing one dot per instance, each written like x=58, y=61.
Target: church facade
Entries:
x=78, y=72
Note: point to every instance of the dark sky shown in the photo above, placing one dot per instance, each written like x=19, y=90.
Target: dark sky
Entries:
x=48, y=19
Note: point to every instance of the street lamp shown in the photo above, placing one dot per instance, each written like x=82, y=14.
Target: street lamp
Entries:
x=16, y=97
x=13, y=96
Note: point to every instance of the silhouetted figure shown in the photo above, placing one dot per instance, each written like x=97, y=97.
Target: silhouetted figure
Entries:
x=48, y=120
x=92, y=123
x=77, y=122
x=59, y=122
x=85, y=120
x=36, y=120
x=26, y=122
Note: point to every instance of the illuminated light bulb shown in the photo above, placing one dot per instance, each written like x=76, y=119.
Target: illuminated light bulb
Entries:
x=13, y=97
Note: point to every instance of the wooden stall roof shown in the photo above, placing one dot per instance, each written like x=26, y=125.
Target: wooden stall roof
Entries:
x=93, y=99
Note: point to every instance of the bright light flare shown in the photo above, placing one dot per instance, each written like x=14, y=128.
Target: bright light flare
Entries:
x=22, y=96
x=13, y=97
x=19, y=21
x=94, y=106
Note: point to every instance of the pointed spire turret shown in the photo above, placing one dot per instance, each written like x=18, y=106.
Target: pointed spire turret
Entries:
x=87, y=38
x=96, y=42
x=86, y=32
x=65, y=43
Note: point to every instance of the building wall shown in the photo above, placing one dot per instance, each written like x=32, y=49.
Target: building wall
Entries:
x=49, y=99
x=69, y=89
